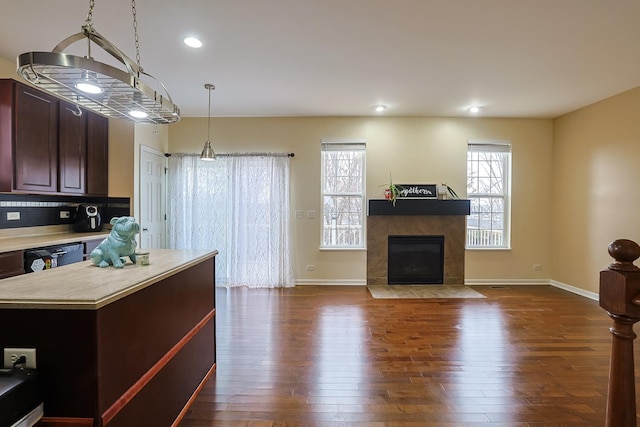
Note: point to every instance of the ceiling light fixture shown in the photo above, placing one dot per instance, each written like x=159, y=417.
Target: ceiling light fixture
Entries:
x=207, y=151
x=474, y=109
x=380, y=108
x=193, y=42
x=113, y=92
x=138, y=114
x=89, y=84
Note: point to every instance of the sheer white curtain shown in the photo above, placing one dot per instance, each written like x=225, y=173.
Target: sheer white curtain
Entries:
x=238, y=205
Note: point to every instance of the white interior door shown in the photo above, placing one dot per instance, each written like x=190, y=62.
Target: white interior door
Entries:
x=152, y=198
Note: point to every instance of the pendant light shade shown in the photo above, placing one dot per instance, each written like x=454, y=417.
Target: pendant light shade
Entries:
x=207, y=151
x=102, y=88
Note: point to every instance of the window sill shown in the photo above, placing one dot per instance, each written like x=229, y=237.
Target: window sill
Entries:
x=487, y=249
x=342, y=249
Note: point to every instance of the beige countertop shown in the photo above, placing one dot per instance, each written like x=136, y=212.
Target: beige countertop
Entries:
x=85, y=286
x=17, y=243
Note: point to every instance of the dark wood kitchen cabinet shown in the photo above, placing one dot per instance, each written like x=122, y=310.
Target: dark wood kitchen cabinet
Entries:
x=47, y=146
x=36, y=141
x=97, y=155
x=11, y=264
x=72, y=148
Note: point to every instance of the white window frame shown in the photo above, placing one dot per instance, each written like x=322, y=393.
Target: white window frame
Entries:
x=333, y=145
x=495, y=235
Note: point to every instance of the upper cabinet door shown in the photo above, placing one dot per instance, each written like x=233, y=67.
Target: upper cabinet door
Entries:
x=97, y=155
x=47, y=146
x=72, y=148
x=36, y=141
x=7, y=92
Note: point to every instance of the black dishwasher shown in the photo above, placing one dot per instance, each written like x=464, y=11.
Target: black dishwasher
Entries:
x=38, y=259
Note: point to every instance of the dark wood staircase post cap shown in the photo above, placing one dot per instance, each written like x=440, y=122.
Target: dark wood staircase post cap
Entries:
x=625, y=252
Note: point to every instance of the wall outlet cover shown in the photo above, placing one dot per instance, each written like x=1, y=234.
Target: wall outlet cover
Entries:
x=13, y=354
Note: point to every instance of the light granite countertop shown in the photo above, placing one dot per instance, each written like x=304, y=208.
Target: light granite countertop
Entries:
x=17, y=243
x=86, y=286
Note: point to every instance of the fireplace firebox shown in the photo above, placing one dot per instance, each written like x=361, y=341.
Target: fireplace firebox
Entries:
x=415, y=260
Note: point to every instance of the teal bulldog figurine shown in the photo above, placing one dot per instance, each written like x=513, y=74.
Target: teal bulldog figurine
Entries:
x=118, y=244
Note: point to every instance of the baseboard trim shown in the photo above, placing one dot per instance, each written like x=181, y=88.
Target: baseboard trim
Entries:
x=591, y=295
x=347, y=282
x=516, y=282
x=504, y=282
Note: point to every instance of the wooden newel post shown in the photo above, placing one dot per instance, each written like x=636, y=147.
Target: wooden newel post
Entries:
x=620, y=297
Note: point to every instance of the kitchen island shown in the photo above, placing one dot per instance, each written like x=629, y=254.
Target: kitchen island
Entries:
x=116, y=347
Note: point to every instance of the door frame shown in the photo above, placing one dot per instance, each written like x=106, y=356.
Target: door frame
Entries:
x=150, y=150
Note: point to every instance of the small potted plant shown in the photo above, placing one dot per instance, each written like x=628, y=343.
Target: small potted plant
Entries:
x=392, y=191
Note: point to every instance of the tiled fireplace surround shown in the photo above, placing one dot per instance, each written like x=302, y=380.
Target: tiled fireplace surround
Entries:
x=418, y=217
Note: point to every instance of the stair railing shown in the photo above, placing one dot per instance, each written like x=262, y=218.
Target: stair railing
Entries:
x=620, y=297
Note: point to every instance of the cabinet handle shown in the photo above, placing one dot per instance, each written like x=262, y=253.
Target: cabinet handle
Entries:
x=145, y=229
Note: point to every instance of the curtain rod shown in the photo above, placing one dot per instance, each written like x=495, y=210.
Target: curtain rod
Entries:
x=234, y=154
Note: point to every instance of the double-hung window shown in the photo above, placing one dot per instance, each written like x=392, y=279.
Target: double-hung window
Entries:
x=343, y=198
x=488, y=189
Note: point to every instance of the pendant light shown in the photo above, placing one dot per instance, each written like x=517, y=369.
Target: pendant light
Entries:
x=207, y=151
x=107, y=90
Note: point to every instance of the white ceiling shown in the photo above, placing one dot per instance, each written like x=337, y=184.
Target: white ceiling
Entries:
x=515, y=58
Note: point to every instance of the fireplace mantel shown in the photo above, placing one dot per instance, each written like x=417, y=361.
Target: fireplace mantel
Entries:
x=416, y=217
x=419, y=207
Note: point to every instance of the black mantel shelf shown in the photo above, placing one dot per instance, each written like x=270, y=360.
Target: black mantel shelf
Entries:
x=420, y=207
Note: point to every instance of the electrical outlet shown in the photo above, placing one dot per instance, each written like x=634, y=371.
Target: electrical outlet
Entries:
x=13, y=354
x=13, y=216
x=65, y=214
x=537, y=267
x=311, y=267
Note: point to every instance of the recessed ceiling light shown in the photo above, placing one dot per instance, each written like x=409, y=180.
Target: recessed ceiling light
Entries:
x=380, y=108
x=193, y=42
x=474, y=109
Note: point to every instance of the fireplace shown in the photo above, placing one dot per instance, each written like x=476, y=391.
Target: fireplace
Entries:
x=415, y=260
x=426, y=217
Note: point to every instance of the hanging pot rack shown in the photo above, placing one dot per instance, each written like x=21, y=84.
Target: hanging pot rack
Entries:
x=122, y=91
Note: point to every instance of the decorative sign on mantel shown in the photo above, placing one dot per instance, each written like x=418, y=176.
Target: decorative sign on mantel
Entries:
x=417, y=191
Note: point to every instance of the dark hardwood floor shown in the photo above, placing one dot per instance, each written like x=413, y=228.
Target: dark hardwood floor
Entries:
x=334, y=356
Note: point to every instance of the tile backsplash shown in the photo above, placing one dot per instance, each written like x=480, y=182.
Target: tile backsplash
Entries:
x=32, y=210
